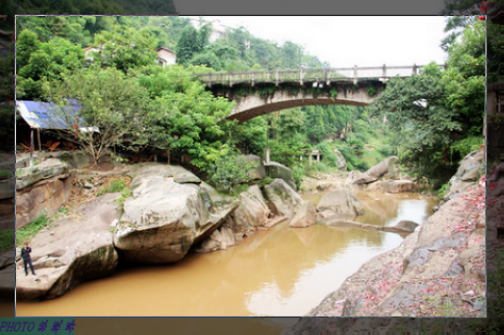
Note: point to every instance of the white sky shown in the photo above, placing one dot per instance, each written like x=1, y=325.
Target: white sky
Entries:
x=345, y=41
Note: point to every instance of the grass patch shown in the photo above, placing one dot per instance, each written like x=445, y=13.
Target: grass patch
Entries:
x=62, y=211
x=112, y=229
x=6, y=239
x=115, y=185
x=26, y=233
x=125, y=194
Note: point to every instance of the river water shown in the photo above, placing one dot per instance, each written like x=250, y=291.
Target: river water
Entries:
x=280, y=272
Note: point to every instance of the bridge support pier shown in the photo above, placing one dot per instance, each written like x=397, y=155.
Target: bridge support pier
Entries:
x=267, y=155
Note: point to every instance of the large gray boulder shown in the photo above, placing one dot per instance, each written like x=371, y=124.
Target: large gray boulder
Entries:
x=305, y=216
x=178, y=173
x=392, y=186
x=259, y=172
x=252, y=211
x=340, y=160
x=163, y=218
x=276, y=170
x=74, y=249
x=282, y=199
x=220, y=239
x=342, y=203
x=467, y=174
x=387, y=169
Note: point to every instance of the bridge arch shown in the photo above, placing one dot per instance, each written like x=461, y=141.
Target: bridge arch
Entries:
x=253, y=105
x=337, y=86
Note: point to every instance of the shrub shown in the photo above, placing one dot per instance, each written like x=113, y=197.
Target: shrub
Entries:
x=467, y=145
x=229, y=171
x=441, y=193
x=297, y=174
x=115, y=185
x=126, y=193
x=265, y=181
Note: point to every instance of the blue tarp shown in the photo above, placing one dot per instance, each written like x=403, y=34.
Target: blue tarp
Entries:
x=45, y=115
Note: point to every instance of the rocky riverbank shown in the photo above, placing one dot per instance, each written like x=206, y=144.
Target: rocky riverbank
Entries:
x=438, y=270
x=169, y=212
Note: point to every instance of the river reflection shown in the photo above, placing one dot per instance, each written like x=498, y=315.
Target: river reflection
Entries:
x=280, y=272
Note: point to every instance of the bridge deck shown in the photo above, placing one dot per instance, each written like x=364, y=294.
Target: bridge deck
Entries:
x=308, y=75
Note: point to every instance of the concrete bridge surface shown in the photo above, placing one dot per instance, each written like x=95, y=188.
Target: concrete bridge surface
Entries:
x=261, y=92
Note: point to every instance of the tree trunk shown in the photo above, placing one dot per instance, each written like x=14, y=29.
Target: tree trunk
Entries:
x=168, y=155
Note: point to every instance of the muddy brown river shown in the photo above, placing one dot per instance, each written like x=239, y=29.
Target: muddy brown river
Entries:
x=280, y=272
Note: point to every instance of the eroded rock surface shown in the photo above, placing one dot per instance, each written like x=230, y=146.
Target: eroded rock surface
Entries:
x=276, y=170
x=442, y=262
x=342, y=203
x=282, y=199
x=73, y=250
x=387, y=169
x=43, y=189
x=392, y=186
x=163, y=218
x=340, y=160
x=305, y=216
x=470, y=168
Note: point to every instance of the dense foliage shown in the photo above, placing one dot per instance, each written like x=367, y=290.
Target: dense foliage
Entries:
x=424, y=119
x=434, y=113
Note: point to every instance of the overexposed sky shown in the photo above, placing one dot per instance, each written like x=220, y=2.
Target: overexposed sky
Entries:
x=345, y=41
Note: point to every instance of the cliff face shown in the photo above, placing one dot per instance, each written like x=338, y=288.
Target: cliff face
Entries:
x=439, y=270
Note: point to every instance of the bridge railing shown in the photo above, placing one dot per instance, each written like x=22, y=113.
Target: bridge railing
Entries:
x=309, y=75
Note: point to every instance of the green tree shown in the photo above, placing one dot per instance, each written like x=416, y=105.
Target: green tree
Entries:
x=27, y=43
x=125, y=48
x=110, y=101
x=185, y=119
x=49, y=61
x=191, y=42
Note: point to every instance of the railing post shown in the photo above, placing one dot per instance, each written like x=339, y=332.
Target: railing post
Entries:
x=328, y=77
x=414, y=69
x=210, y=80
x=231, y=79
x=253, y=78
x=355, y=74
x=384, y=71
x=276, y=77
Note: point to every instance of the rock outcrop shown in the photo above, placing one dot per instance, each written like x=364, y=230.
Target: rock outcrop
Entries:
x=342, y=203
x=443, y=258
x=276, y=170
x=392, y=186
x=259, y=171
x=178, y=173
x=305, y=216
x=331, y=186
x=252, y=211
x=163, y=218
x=402, y=227
x=73, y=250
x=340, y=160
x=42, y=189
x=387, y=169
x=282, y=199
x=470, y=169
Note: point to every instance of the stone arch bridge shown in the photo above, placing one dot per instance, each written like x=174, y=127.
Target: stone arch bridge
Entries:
x=261, y=92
